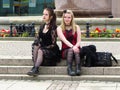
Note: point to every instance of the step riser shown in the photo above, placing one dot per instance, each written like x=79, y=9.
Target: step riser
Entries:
x=16, y=62
x=62, y=70
x=17, y=69
x=28, y=62
x=23, y=62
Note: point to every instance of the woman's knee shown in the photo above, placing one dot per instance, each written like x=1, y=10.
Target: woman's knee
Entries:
x=70, y=50
x=40, y=51
x=36, y=47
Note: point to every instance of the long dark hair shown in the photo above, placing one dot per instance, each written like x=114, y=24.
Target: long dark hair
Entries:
x=53, y=20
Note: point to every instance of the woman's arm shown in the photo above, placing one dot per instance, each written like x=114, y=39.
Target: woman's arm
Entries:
x=78, y=36
x=62, y=37
x=77, y=45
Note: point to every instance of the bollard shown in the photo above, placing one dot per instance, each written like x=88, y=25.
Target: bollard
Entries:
x=33, y=30
x=27, y=29
x=11, y=33
x=22, y=28
x=17, y=28
x=87, y=30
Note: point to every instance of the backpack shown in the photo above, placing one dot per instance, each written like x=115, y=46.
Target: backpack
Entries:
x=88, y=55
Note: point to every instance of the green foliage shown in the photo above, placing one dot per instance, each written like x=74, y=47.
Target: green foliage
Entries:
x=25, y=34
x=101, y=33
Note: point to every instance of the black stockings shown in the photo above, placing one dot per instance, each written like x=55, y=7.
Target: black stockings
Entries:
x=34, y=53
x=37, y=56
x=71, y=54
x=77, y=58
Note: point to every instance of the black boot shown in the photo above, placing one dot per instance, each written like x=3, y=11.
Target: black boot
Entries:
x=34, y=71
x=69, y=70
x=78, y=69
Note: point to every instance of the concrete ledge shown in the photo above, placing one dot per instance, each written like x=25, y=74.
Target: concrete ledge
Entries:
x=38, y=20
x=112, y=78
x=22, y=49
x=109, y=23
x=60, y=70
x=16, y=38
x=32, y=38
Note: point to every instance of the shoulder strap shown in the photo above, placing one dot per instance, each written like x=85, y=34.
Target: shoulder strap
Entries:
x=114, y=59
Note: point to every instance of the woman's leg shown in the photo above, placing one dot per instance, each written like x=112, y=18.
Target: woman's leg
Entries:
x=69, y=56
x=34, y=52
x=35, y=70
x=78, y=64
x=39, y=59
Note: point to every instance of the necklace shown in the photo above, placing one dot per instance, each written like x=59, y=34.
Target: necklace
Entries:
x=68, y=27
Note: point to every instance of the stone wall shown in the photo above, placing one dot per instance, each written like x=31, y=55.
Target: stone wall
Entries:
x=116, y=8
x=86, y=5
x=109, y=23
x=89, y=8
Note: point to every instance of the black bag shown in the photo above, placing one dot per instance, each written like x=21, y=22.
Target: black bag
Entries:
x=88, y=55
x=105, y=59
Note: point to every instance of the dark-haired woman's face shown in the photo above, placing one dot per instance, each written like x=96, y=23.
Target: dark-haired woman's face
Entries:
x=46, y=16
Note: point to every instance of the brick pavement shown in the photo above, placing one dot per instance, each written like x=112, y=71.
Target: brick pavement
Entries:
x=57, y=85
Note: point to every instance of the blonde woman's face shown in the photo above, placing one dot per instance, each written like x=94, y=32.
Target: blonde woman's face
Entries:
x=67, y=18
x=46, y=16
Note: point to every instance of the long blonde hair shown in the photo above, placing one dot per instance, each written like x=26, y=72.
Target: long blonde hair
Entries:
x=73, y=24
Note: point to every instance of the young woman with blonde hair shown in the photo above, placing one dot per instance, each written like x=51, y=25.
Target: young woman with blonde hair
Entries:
x=70, y=35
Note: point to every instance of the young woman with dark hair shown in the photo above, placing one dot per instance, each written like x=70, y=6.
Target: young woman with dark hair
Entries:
x=45, y=50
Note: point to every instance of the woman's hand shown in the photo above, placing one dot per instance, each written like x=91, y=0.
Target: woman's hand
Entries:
x=76, y=49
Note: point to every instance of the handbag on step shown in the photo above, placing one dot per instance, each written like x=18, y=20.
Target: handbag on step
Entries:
x=105, y=59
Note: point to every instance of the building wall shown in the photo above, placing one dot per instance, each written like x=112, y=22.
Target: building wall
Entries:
x=84, y=5
x=116, y=8
x=91, y=7
x=6, y=11
x=26, y=9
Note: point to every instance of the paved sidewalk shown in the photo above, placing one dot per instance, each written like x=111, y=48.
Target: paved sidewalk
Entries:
x=57, y=85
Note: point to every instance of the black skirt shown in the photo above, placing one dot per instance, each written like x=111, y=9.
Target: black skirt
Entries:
x=51, y=56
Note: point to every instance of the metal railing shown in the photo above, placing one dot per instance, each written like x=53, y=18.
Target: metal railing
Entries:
x=106, y=34
x=28, y=30
x=25, y=30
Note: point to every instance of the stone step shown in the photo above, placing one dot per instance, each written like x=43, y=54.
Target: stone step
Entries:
x=60, y=70
x=22, y=49
x=28, y=62
x=86, y=14
x=23, y=62
x=61, y=77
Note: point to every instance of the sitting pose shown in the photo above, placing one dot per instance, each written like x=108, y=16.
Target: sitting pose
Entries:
x=70, y=35
x=45, y=51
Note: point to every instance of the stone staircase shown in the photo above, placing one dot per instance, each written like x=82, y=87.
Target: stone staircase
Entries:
x=15, y=64
x=17, y=69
